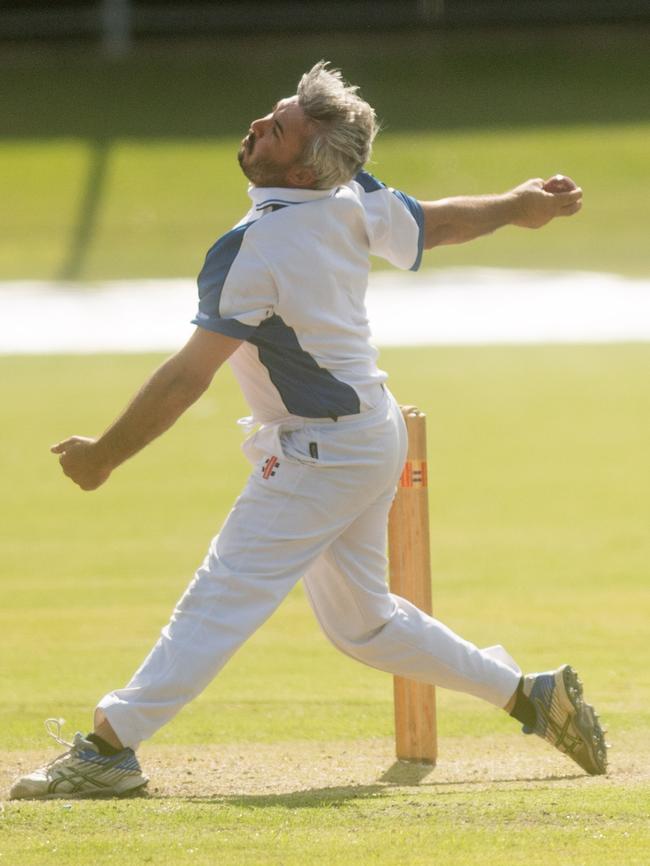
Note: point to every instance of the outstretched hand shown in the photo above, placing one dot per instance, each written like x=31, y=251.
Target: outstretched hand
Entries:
x=80, y=462
x=539, y=201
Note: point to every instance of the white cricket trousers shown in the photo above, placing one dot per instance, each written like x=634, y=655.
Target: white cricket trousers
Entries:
x=315, y=507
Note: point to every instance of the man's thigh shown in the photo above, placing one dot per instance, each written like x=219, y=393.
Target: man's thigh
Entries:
x=346, y=585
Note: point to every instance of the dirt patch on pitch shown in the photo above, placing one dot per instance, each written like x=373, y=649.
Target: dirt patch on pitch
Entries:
x=364, y=766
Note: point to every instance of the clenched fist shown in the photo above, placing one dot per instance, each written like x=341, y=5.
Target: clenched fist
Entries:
x=81, y=462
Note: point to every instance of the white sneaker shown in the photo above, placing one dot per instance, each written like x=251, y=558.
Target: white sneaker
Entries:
x=80, y=772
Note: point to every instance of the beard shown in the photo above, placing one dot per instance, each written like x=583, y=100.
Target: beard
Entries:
x=260, y=172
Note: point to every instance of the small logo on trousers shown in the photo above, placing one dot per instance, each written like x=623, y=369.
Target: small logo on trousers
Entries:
x=271, y=466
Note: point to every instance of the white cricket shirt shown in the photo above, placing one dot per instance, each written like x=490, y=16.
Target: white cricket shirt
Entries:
x=290, y=280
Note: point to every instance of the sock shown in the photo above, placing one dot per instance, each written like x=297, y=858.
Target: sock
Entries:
x=524, y=709
x=104, y=747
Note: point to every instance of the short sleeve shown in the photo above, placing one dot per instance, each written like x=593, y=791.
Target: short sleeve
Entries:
x=236, y=289
x=394, y=220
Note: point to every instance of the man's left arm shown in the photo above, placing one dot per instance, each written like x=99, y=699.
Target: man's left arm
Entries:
x=463, y=218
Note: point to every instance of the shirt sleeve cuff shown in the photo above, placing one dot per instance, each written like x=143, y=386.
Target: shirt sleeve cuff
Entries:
x=229, y=327
x=415, y=209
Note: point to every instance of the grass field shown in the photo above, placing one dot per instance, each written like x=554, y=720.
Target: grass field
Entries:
x=539, y=505
x=127, y=170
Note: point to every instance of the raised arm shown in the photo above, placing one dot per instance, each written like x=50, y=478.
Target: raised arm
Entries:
x=463, y=218
x=172, y=388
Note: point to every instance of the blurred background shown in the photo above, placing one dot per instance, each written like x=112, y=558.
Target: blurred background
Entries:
x=121, y=120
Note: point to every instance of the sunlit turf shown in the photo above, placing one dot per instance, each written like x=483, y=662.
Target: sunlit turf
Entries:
x=539, y=502
x=163, y=203
x=536, y=827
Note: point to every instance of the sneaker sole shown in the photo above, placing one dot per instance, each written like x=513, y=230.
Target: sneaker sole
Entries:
x=133, y=791
x=585, y=721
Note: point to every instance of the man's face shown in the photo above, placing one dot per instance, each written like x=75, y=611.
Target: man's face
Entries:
x=270, y=154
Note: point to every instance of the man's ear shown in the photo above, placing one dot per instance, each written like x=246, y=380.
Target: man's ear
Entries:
x=301, y=176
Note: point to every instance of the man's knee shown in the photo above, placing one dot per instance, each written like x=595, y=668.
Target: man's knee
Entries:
x=359, y=644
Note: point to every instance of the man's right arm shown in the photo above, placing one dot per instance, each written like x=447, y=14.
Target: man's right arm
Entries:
x=173, y=388
x=460, y=219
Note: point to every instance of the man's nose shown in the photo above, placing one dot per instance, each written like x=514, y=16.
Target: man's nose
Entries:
x=260, y=125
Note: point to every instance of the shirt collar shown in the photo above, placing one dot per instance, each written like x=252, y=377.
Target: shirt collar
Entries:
x=265, y=196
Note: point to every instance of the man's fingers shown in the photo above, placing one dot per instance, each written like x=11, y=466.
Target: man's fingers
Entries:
x=567, y=204
x=60, y=447
x=66, y=444
x=570, y=209
x=566, y=197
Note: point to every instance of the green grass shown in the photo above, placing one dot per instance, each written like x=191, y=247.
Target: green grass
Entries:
x=164, y=202
x=128, y=169
x=333, y=829
x=539, y=503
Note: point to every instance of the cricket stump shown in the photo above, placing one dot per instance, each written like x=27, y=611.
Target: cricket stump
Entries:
x=410, y=577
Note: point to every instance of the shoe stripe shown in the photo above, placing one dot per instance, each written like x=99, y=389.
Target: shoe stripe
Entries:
x=77, y=779
x=128, y=761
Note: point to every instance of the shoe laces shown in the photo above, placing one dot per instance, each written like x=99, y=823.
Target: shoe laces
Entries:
x=53, y=728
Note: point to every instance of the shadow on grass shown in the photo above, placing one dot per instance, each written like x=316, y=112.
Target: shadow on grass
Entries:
x=407, y=773
x=89, y=209
x=398, y=776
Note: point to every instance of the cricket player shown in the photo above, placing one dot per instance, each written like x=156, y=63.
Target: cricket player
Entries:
x=282, y=299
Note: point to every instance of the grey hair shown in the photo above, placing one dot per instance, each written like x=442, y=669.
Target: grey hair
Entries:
x=345, y=126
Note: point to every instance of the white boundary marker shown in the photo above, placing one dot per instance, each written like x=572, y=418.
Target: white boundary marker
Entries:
x=473, y=306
